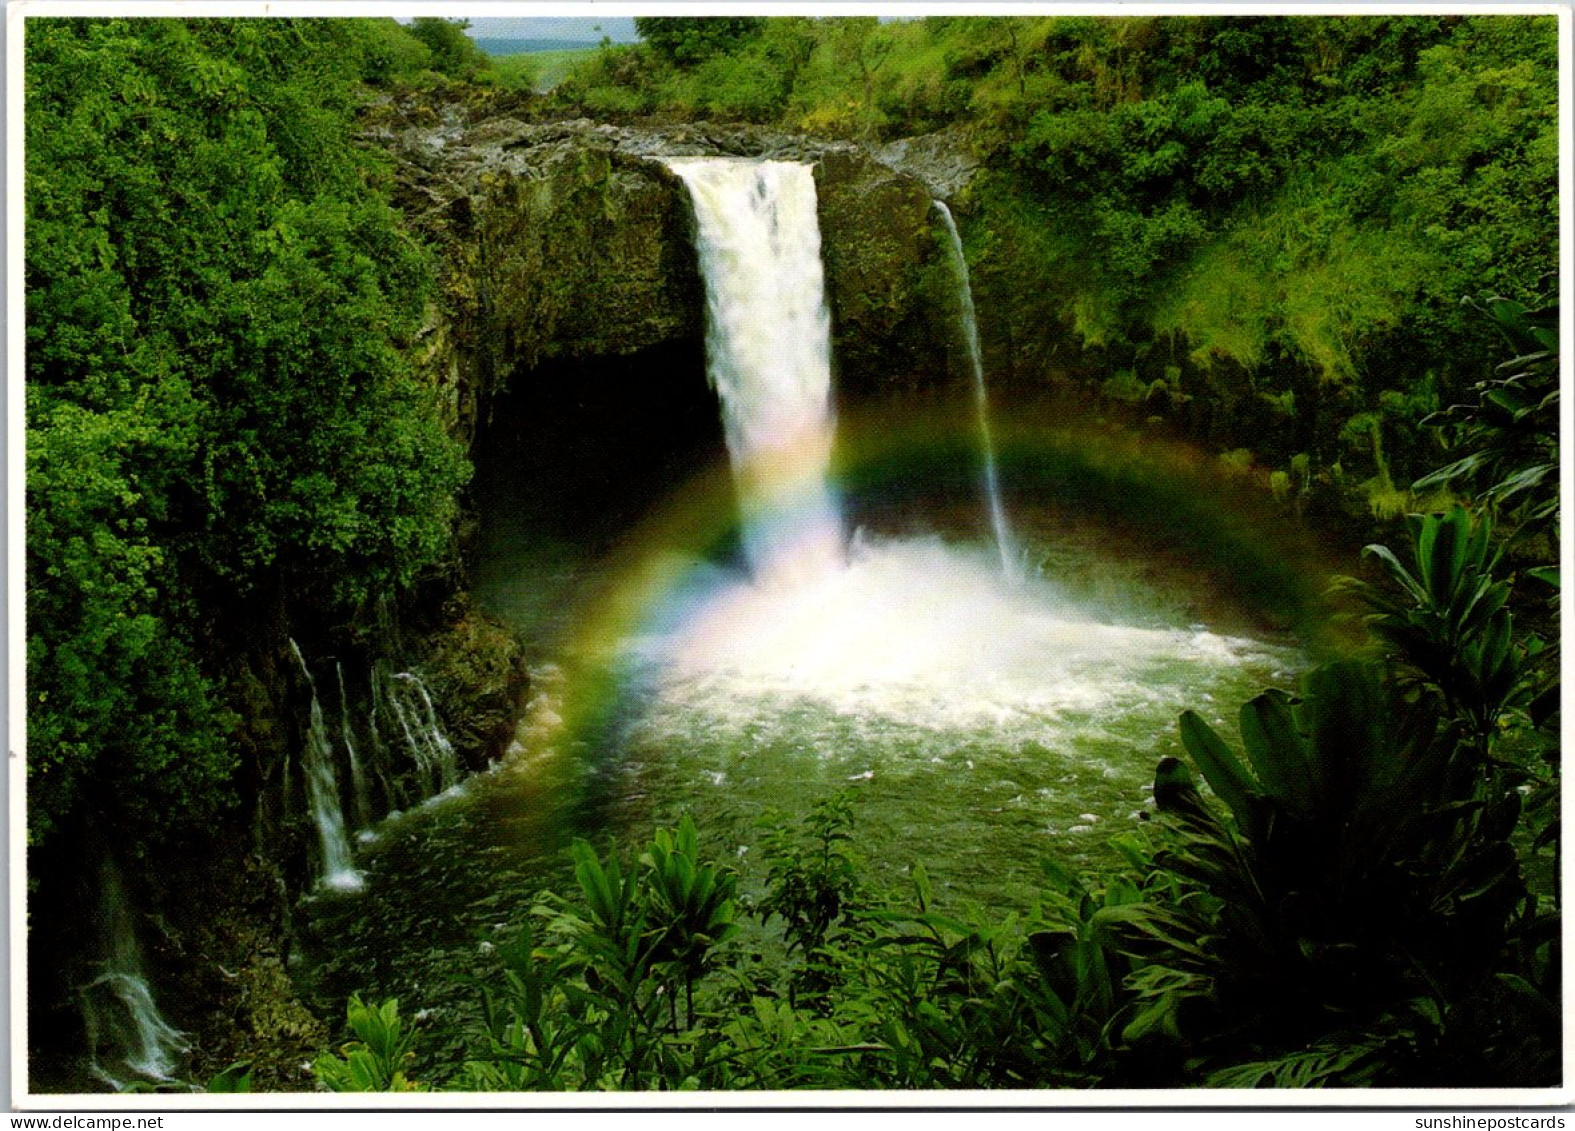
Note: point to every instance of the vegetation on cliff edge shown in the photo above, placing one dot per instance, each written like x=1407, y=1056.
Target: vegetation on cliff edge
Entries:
x=1215, y=220
x=221, y=416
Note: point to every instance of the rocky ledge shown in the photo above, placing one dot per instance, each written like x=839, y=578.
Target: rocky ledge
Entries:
x=571, y=240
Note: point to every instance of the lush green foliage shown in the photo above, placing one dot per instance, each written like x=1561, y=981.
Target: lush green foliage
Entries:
x=906, y=997
x=389, y=53
x=219, y=410
x=1357, y=918
x=1251, y=218
x=528, y=72
x=1363, y=916
x=1188, y=157
x=1449, y=629
x=1357, y=892
x=687, y=40
x=376, y=1060
x=234, y=1080
x=453, y=53
x=598, y=1004
x=811, y=876
x=1512, y=432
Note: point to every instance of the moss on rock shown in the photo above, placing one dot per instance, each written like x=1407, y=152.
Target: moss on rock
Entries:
x=476, y=670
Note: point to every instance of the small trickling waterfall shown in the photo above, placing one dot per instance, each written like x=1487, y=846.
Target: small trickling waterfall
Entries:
x=768, y=355
x=405, y=696
x=379, y=747
x=322, y=791
x=360, y=797
x=128, y=1037
x=400, y=758
x=992, y=483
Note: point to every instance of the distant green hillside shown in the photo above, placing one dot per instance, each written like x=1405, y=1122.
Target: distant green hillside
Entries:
x=539, y=70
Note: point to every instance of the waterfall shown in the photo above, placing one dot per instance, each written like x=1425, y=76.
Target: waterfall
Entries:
x=396, y=796
x=406, y=697
x=360, y=798
x=322, y=789
x=127, y=1036
x=992, y=483
x=768, y=355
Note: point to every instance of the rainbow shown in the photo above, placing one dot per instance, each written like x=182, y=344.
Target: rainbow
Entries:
x=669, y=578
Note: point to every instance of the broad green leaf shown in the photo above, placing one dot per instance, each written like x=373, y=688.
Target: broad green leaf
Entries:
x=1224, y=773
x=1397, y=571
x=1277, y=751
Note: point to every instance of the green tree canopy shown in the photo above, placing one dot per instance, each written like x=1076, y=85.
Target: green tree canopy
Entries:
x=218, y=406
x=687, y=40
x=453, y=53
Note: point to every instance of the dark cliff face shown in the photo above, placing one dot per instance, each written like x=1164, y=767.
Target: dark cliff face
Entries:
x=570, y=241
x=891, y=330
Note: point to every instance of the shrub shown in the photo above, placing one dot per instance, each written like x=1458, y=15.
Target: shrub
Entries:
x=377, y=1059
x=1358, y=891
x=452, y=52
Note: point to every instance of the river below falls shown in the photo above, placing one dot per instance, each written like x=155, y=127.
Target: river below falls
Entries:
x=981, y=726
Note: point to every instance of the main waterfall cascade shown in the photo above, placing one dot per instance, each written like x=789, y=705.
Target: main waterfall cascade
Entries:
x=1005, y=545
x=912, y=630
x=768, y=355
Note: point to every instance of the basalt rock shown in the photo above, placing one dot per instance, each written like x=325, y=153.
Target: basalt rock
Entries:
x=879, y=249
x=945, y=161
x=571, y=240
x=477, y=673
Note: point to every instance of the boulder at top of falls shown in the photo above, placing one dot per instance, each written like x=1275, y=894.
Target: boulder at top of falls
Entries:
x=944, y=160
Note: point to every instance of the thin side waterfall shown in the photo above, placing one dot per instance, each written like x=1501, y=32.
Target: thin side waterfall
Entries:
x=768, y=355
x=1004, y=541
x=128, y=1037
x=322, y=791
x=375, y=678
x=360, y=797
x=408, y=700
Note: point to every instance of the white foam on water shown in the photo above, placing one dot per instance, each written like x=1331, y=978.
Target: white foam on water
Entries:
x=927, y=634
x=346, y=880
